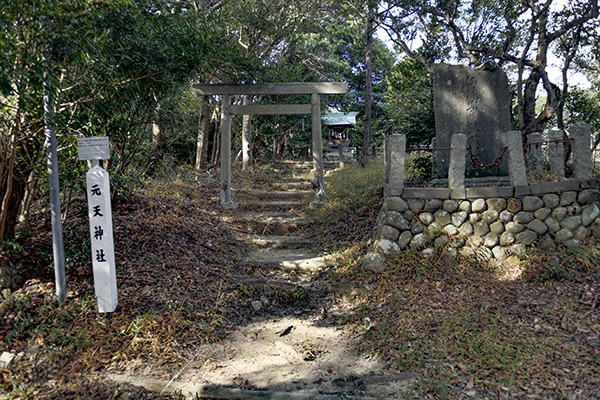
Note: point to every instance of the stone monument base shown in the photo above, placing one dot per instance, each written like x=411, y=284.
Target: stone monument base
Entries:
x=489, y=181
x=486, y=222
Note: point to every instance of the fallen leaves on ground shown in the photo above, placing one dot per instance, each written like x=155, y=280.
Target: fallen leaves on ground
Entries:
x=466, y=330
x=175, y=258
x=471, y=333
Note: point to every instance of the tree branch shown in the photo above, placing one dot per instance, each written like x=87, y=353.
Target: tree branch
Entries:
x=577, y=21
x=461, y=41
x=406, y=48
x=65, y=106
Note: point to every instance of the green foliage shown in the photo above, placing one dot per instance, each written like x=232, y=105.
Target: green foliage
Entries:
x=326, y=44
x=111, y=65
x=108, y=66
x=509, y=32
x=296, y=130
x=410, y=101
x=245, y=291
x=11, y=245
x=418, y=167
x=292, y=294
x=583, y=105
x=350, y=49
x=76, y=237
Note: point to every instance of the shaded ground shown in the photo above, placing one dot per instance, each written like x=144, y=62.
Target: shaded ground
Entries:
x=473, y=334
x=465, y=330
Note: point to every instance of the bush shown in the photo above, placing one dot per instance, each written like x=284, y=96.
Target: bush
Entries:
x=418, y=167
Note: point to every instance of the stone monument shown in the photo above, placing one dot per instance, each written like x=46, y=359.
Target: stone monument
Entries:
x=475, y=103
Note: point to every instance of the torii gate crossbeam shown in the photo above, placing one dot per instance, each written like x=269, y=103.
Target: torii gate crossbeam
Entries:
x=227, y=110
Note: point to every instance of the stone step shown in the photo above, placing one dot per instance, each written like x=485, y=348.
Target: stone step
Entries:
x=308, y=165
x=303, y=184
x=281, y=242
x=269, y=217
x=334, y=156
x=288, y=259
x=273, y=205
x=309, y=175
x=277, y=195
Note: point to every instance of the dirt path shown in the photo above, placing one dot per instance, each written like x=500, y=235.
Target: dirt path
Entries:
x=302, y=348
x=313, y=358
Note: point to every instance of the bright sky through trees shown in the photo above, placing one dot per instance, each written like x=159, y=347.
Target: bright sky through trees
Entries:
x=554, y=63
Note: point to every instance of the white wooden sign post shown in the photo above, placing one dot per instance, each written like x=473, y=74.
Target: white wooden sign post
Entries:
x=101, y=232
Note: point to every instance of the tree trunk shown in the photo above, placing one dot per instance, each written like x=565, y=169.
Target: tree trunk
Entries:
x=13, y=181
x=570, y=53
x=12, y=201
x=529, y=98
x=19, y=153
x=368, y=86
x=560, y=109
x=28, y=197
x=537, y=123
x=532, y=122
x=202, y=142
x=158, y=135
x=247, y=159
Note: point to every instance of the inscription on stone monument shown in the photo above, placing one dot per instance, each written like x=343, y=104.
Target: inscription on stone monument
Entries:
x=476, y=103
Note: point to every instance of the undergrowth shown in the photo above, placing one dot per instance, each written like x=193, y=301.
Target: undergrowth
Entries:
x=466, y=332
x=171, y=289
x=558, y=263
x=344, y=223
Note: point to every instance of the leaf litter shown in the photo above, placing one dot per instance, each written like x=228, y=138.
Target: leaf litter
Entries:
x=465, y=331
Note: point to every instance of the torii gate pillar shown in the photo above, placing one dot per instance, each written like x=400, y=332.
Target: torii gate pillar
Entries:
x=317, y=139
x=226, y=202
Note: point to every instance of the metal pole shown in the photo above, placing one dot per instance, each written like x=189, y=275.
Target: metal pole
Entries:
x=52, y=161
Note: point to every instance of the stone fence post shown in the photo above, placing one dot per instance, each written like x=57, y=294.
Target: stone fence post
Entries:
x=458, y=162
x=582, y=152
x=395, y=159
x=516, y=160
x=556, y=154
x=434, y=160
x=534, y=154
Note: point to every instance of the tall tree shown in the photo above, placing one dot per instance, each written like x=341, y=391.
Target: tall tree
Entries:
x=109, y=63
x=348, y=37
x=409, y=101
x=202, y=138
x=517, y=33
x=577, y=51
x=368, y=80
x=268, y=31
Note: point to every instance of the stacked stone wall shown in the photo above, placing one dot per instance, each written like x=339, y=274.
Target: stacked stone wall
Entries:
x=486, y=223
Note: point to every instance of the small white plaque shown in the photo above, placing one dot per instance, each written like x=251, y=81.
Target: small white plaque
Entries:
x=93, y=148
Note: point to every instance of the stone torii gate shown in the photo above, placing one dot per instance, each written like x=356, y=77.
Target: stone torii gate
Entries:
x=227, y=110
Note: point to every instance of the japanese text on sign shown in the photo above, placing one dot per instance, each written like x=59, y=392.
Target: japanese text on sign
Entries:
x=101, y=236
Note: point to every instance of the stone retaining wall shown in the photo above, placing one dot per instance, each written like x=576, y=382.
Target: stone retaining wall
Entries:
x=486, y=223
